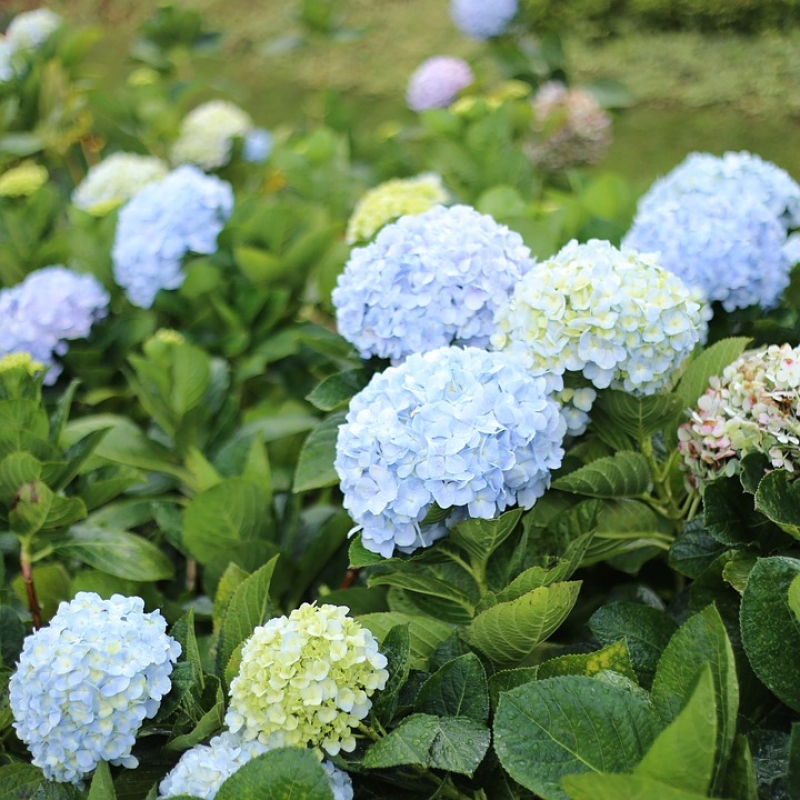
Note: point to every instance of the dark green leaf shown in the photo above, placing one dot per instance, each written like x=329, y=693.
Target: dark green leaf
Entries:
x=481, y=537
x=625, y=474
x=778, y=496
x=102, y=787
x=457, y=689
x=315, y=464
x=336, y=390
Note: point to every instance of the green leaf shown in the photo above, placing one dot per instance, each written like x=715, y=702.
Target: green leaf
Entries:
x=640, y=417
x=547, y=729
x=336, y=390
x=778, y=497
x=699, y=641
x=457, y=689
x=623, y=787
x=771, y=629
x=209, y=723
x=361, y=557
x=740, y=777
x=459, y=607
x=20, y=781
x=30, y=507
x=507, y=632
x=794, y=597
x=256, y=265
x=119, y=553
x=454, y=744
x=396, y=646
x=315, y=464
x=481, y=537
x=625, y=474
x=16, y=469
x=52, y=584
x=694, y=550
x=682, y=755
x=645, y=629
x=506, y=679
x=425, y=634
x=102, y=787
x=614, y=657
x=12, y=635
x=710, y=362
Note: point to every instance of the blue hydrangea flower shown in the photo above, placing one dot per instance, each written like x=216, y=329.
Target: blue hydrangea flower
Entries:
x=7, y=51
x=161, y=224
x=50, y=307
x=86, y=682
x=467, y=430
x=733, y=174
x=257, y=145
x=436, y=82
x=733, y=250
x=201, y=771
x=618, y=317
x=482, y=19
x=429, y=280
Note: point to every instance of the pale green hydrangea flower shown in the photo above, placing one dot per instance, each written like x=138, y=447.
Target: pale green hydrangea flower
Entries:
x=20, y=361
x=393, y=199
x=23, y=180
x=617, y=316
x=207, y=133
x=306, y=680
x=115, y=180
x=753, y=407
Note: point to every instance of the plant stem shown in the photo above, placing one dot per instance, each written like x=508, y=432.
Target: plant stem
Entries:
x=25, y=563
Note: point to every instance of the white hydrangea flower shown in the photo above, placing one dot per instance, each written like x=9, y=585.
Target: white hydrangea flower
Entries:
x=306, y=680
x=617, y=316
x=115, y=180
x=32, y=28
x=86, y=682
x=753, y=407
x=207, y=133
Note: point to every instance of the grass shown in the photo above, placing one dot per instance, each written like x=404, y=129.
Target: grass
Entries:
x=692, y=92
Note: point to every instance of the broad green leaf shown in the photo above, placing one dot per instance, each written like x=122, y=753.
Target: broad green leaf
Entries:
x=455, y=744
x=229, y=581
x=208, y=724
x=752, y=469
x=12, y=635
x=222, y=517
x=794, y=597
x=740, y=777
x=16, y=469
x=699, y=641
x=770, y=751
x=247, y=609
x=507, y=632
x=425, y=634
x=614, y=657
x=459, y=607
x=625, y=474
x=102, y=787
x=737, y=570
x=30, y=507
x=771, y=629
x=457, y=689
x=360, y=556
x=623, y=787
x=778, y=497
x=336, y=390
x=682, y=755
x=119, y=553
x=183, y=631
x=710, y=362
x=19, y=781
x=481, y=537
x=287, y=773
x=315, y=464
x=547, y=729
x=642, y=416
x=793, y=773
x=506, y=679
x=694, y=550
x=396, y=646
x=646, y=631
x=76, y=457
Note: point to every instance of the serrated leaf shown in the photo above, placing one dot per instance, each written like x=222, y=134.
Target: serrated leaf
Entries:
x=16, y=469
x=481, y=537
x=505, y=680
x=625, y=474
x=778, y=497
x=336, y=390
x=460, y=608
x=710, y=362
x=425, y=634
x=459, y=688
x=547, y=729
x=361, y=557
x=315, y=465
x=508, y=632
x=614, y=657
x=396, y=646
x=641, y=416
x=19, y=781
x=694, y=549
x=455, y=744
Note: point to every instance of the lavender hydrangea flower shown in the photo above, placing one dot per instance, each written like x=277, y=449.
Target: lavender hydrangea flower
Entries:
x=182, y=213
x=50, y=307
x=436, y=82
x=467, y=430
x=733, y=174
x=482, y=19
x=427, y=281
x=86, y=682
x=733, y=250
x=618, y=317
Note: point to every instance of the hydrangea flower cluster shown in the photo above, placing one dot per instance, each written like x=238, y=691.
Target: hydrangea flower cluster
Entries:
x=480, y=19
x=23, y=180
x=427, y=281
x=182, y=213
x=7, y=51
x=20, y=361
x=753, y=407
x=257, y=145
x=86, y=682
x=207, y=132
x=115, y=180
x=616, y=316
x=202, y=770
x=31, y=29
x=392, y=199
x=467, y=430
x=306, y=680
x=733, y=250
x=572, y=129
x=49, y=308
x=436, y=82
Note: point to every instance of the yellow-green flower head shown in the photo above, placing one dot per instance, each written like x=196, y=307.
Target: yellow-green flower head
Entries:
x=20, y=361
x=207, y=133
x=306, y=680
x=115, y=180
x=23, y=180
x=393, y=199
x=168, y=336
